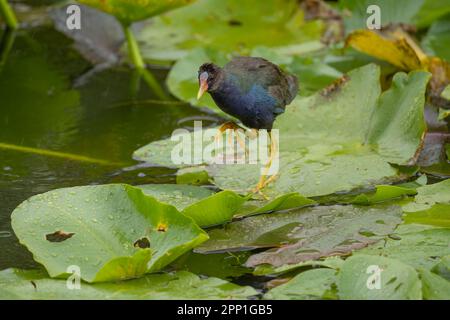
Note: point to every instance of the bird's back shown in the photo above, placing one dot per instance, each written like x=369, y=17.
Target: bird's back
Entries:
x=250, y=71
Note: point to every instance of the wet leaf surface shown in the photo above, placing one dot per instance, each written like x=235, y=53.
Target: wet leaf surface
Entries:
x=397, y=280
x=204, y=206
x=228, y=26
x=324, y=151
x=107, y=220
x=134, y=10
x=304, y=234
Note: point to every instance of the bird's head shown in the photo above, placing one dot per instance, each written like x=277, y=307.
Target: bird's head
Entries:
x=208, y=74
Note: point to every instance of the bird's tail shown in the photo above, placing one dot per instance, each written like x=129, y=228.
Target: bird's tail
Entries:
x=293, y=87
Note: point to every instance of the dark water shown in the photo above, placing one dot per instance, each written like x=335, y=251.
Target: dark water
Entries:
x=41, y=107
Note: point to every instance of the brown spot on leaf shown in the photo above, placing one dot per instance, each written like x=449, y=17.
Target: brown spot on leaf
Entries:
x=58, y=236
x=142, y=243
x=234, y=23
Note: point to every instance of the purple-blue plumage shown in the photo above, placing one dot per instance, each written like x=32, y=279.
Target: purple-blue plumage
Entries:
x=251, y=89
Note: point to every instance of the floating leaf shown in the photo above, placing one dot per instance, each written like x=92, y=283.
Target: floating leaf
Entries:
x=429, y=195
x=304, y=234
x=400, y=11
x=437, y=215
x=106, y=221
x=227, y=26
x=204, y=206
x=383, y=193
x=311, y=284
x=342, y=138
x=419, y=246
x=31, y=284
x=134, y=10
x=437, y=40
x=397, y=281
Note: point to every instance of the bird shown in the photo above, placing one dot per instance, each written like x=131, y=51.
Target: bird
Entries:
x=251, y=89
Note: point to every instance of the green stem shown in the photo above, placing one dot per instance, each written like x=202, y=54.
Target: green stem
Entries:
x=138, y=61
x=135, y=53
x=8, y=14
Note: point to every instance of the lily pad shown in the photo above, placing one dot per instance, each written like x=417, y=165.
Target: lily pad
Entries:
x=437, y=40
x=31, y=284
x=342, y=138
x=227, y=26
x=383, y=193
x=304, y=234
x=117, y=231
x=429, y=195
x=397, y=281
x=308, y=285
x=129, y=11
x=419, y=246
x=204, y=206
x=419, y=12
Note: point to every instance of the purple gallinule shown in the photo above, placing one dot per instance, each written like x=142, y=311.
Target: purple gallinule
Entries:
x=253, y=90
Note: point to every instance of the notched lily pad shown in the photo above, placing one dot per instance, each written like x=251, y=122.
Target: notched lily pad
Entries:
x=107, y=220
x=204, y=206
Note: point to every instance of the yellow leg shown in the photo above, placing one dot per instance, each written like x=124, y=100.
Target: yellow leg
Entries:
x=233, y=126
x=263, y=181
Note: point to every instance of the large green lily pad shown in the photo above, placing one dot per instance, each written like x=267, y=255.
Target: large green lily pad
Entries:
x=110, y=232
x=342, y=138
x=31, y=284
x=228, y=26
x=304, y=234
x=134, y=10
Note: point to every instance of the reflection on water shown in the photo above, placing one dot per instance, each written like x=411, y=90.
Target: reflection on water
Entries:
x=40, y=108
